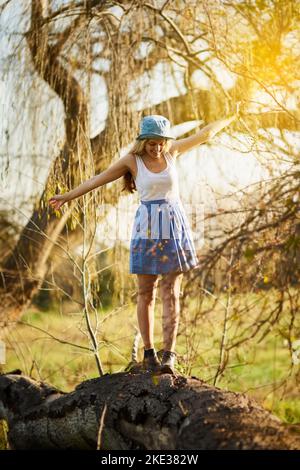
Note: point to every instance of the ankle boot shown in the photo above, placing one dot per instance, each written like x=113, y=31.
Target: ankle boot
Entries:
x=168, y=362
x=150, y=361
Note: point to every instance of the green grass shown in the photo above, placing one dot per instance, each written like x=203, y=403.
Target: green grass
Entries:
x=262, y=370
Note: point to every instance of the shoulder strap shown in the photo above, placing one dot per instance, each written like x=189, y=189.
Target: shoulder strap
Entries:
x=140, y=167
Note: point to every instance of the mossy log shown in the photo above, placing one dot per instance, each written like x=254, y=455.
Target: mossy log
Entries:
x=137, y=411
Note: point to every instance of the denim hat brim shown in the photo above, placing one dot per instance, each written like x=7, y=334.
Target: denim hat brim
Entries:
x=148, y=136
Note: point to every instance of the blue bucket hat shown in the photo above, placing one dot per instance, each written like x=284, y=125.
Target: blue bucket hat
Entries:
x=155, y=126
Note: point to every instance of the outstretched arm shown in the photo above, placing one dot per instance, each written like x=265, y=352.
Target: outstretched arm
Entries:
x=205, y=134
x=112, y=173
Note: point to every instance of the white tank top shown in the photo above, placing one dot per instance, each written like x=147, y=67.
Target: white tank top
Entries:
x=162, y=185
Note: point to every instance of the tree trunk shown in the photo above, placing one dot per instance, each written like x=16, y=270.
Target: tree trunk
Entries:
x=138, y=411
x=23, y=272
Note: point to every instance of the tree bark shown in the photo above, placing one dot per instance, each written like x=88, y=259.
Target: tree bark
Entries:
x=142, y=412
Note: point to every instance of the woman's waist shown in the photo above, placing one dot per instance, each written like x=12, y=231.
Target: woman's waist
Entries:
x=161, y=201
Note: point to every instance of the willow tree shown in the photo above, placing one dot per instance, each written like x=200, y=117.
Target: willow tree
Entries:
x=122, y=42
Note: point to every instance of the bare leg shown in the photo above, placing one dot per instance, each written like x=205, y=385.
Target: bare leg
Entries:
x=147, y=287
x=170, y=292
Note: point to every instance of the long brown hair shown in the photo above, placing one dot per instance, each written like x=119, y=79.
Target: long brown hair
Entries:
x=138, y=148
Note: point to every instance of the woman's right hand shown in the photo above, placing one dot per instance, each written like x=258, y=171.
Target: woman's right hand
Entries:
x=57, y=201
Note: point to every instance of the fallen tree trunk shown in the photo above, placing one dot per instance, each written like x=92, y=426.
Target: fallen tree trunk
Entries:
x=141, y=412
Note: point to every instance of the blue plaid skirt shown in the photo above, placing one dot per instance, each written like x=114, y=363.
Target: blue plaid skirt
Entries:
x=161, y=239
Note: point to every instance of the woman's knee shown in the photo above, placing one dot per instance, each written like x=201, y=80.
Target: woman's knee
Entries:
x=170, y=289
x=147, y=288
x=167, y=291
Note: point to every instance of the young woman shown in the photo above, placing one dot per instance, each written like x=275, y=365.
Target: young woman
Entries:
x=161, y=242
